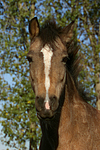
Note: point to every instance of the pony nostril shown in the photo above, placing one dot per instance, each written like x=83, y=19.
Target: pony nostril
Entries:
x=54, y=103
x=53, y=99
x=37, y=98
x=39, y=102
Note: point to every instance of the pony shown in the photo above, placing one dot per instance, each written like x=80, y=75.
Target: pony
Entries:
x=67, y=121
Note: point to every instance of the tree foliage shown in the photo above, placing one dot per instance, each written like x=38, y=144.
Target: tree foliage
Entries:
x=19, y=119
x=18, y=113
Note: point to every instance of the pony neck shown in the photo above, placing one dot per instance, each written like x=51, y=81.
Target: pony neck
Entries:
x=49, y=140
x=65, y=130
x=52, y=130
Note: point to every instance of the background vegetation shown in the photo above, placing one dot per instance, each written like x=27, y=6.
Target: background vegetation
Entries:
x=18, y=113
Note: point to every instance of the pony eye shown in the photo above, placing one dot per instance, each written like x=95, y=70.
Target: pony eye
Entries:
x=64, y=60
x=29, y=59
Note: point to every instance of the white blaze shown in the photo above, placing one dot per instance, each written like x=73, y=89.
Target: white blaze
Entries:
x=47, y=55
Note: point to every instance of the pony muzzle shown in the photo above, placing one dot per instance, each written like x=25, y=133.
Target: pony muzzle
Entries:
x=46, y=108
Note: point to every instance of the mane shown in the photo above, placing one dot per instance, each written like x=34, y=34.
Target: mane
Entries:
x=74, y=68
x=48, y=34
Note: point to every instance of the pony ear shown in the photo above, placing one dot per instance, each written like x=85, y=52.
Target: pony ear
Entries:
x=34, y=27
x=67, y=32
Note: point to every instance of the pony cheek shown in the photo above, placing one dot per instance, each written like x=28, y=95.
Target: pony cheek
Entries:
x=33, y=84
x=60, y=85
